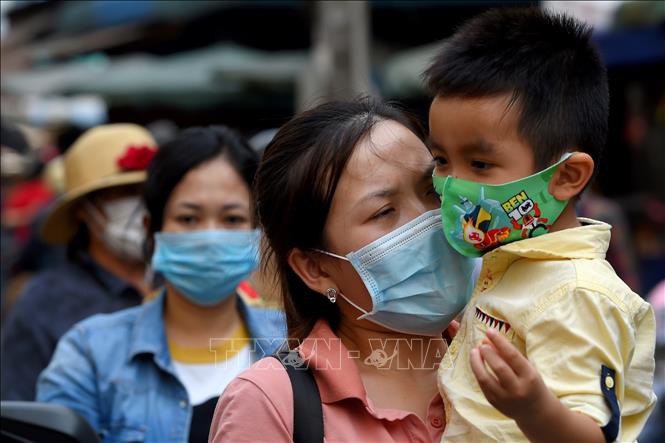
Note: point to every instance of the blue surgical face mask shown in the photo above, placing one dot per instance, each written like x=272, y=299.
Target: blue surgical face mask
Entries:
x=206, y=266
x=417, y=282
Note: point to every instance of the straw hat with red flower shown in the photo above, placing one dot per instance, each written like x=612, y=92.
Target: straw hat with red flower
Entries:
x=103, y=157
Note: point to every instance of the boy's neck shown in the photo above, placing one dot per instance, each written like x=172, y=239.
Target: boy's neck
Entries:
x=567, y=219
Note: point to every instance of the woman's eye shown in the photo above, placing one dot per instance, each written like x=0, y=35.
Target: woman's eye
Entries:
x=187, y=219
x=480, y=165
x=235, y=220
x=382, y=213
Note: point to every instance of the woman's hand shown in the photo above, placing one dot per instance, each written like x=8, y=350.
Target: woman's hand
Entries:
x=514, y=387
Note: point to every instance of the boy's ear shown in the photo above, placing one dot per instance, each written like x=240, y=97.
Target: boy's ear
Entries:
x=571, y=177
x=308, y=268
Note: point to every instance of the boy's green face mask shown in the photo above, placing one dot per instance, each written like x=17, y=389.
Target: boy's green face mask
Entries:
x=478, y=217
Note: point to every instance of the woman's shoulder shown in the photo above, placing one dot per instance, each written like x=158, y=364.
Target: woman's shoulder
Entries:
x=267, y=376
x=115, y=333
x=100, y=324
x=256, y=406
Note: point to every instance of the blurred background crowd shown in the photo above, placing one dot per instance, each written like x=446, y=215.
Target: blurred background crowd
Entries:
x=68, y=66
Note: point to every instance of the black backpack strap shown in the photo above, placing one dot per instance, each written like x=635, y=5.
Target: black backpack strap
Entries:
x=307, y=411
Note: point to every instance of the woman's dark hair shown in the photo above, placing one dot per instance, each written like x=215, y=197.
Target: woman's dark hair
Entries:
x=549, y=65
x=188, y=150
x=294, y=189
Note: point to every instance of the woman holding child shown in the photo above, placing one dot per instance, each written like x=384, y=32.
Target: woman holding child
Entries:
x=553, y=346
x=369, y=284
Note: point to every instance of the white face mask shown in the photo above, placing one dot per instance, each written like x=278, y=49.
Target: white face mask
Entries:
x=121, y=226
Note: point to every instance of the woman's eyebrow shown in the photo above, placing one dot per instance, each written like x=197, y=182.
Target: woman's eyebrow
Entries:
x=376, y=195
x=189, y=205
x=226, y=207
x=231, y=206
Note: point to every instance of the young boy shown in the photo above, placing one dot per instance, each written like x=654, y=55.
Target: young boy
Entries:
x=553, y=346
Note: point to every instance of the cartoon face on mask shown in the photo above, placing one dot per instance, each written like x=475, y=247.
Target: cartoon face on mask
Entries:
x=479, y=217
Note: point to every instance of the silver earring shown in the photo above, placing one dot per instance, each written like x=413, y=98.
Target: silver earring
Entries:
x=331, y=293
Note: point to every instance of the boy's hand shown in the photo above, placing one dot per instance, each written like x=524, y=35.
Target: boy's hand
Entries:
x=515, y=388
x=451, y=331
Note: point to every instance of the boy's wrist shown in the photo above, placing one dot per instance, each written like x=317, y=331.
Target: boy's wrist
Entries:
x=546, y=412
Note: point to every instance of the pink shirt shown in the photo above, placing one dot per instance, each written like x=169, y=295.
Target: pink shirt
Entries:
x=258, y=405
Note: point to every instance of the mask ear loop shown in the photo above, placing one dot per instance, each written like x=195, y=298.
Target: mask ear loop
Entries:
x=138, y=211
x=364, y=313
x=331, y=254
x=566, y=155
x=96, y=215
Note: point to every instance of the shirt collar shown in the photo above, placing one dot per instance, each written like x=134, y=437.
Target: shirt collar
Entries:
x=338, y=376
x=589, y=241
x=110, y=282
x=148, y=335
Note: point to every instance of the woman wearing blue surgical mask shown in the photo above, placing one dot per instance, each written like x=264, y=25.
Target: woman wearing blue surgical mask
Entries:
x=155, y=373
x=369, y=284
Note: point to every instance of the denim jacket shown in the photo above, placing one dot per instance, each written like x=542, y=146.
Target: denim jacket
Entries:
x=116, y=370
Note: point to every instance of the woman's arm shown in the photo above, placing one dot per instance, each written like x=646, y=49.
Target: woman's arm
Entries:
x=518, y=391
x=70, y=379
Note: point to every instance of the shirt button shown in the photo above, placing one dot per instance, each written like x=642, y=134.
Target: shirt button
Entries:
x=436, y=422
x=183, y=404
x=609, y=382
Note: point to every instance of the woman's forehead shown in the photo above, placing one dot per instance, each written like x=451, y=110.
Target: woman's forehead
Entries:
x=390, y=156
x=389, y=149
x=212, y=181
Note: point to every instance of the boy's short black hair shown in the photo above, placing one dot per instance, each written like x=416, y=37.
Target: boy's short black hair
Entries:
x=549, y=65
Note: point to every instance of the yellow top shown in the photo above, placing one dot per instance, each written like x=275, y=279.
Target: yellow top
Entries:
x=564, y=308
x=220, y=349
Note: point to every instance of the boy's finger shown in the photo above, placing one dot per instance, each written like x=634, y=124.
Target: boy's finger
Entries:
x=504, y=373
x=453, y=327
x=508, y=352
x=486, y=381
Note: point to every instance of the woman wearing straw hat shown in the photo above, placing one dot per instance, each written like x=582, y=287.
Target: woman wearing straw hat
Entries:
x=99, y=218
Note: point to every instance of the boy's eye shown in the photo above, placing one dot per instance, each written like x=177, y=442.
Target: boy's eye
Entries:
x=480, y=164
x=440, y=161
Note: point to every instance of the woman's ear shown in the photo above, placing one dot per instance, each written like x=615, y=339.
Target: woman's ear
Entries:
x=308, y=268
x=572, y=176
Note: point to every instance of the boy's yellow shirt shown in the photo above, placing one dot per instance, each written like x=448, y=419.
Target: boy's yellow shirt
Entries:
x=564, y=308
